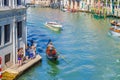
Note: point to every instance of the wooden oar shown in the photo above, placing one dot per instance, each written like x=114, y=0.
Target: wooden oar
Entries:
x=63, y=58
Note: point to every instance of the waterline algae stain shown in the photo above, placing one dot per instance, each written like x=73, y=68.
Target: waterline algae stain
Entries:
x=84, y=43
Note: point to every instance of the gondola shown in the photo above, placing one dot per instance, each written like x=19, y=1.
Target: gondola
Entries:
x=51, y=53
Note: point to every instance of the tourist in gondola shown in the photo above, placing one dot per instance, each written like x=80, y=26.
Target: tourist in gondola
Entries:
x=50, y=45
x=51, y=50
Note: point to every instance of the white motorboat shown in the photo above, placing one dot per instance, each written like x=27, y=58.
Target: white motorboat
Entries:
x=54, y=26
x=115, y=31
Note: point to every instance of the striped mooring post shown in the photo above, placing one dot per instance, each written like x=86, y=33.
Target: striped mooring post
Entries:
x=0, y=69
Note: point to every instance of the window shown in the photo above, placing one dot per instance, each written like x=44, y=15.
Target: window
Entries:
x=19, y=29
x=6, y=2
x=7, y=33
x=0, y=35
x=7, y=58
x=18, y=2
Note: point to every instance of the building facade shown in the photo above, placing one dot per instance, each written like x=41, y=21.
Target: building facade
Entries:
x=12, y=30
x=41, y=2
x=84, y=4
x=79, y=4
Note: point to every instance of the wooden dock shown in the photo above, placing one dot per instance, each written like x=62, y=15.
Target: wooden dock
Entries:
x=14, y=71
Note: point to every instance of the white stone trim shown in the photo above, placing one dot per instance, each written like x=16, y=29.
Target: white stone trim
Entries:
x=10, y=15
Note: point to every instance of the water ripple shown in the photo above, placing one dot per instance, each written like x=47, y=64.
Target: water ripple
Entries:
x=86, y=51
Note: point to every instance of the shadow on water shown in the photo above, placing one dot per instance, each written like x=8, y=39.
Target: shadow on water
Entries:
x=115, y=38
x=30, y=70
x=54, y=70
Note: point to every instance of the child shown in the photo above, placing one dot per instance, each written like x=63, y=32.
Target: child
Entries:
x=20, y=56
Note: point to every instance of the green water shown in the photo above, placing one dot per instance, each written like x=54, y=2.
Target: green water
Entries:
x=87, y=51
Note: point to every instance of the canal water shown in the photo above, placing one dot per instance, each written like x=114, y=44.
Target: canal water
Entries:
x=86, y=50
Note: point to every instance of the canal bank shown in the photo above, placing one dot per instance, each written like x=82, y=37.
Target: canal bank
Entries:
x=104, y=12
x=84, y=43
x=13, y=72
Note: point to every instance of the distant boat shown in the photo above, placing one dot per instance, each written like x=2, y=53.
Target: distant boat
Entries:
x=53, y=26
x=64, y=10
x=115, y=23
x=118, y=24
x=73, y=10
x=51, y=53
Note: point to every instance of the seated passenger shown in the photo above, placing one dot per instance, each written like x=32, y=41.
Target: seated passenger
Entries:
x=31, y=52
x=27, y=51
x=51, y=51
x=50, y=45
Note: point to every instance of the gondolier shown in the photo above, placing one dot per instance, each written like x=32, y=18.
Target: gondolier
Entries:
x=51, y=52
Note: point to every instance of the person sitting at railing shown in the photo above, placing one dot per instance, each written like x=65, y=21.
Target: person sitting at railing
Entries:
x=32, y=53
x=27, y=53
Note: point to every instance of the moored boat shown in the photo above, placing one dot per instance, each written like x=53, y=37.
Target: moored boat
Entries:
x=118, y=24
x=114, y=23
x=73, y=10
x=64, y=10
x=51, y=52
x=54, y=26
x=115, y=31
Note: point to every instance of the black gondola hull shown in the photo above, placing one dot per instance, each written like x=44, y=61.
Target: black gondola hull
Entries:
x=55, y=57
